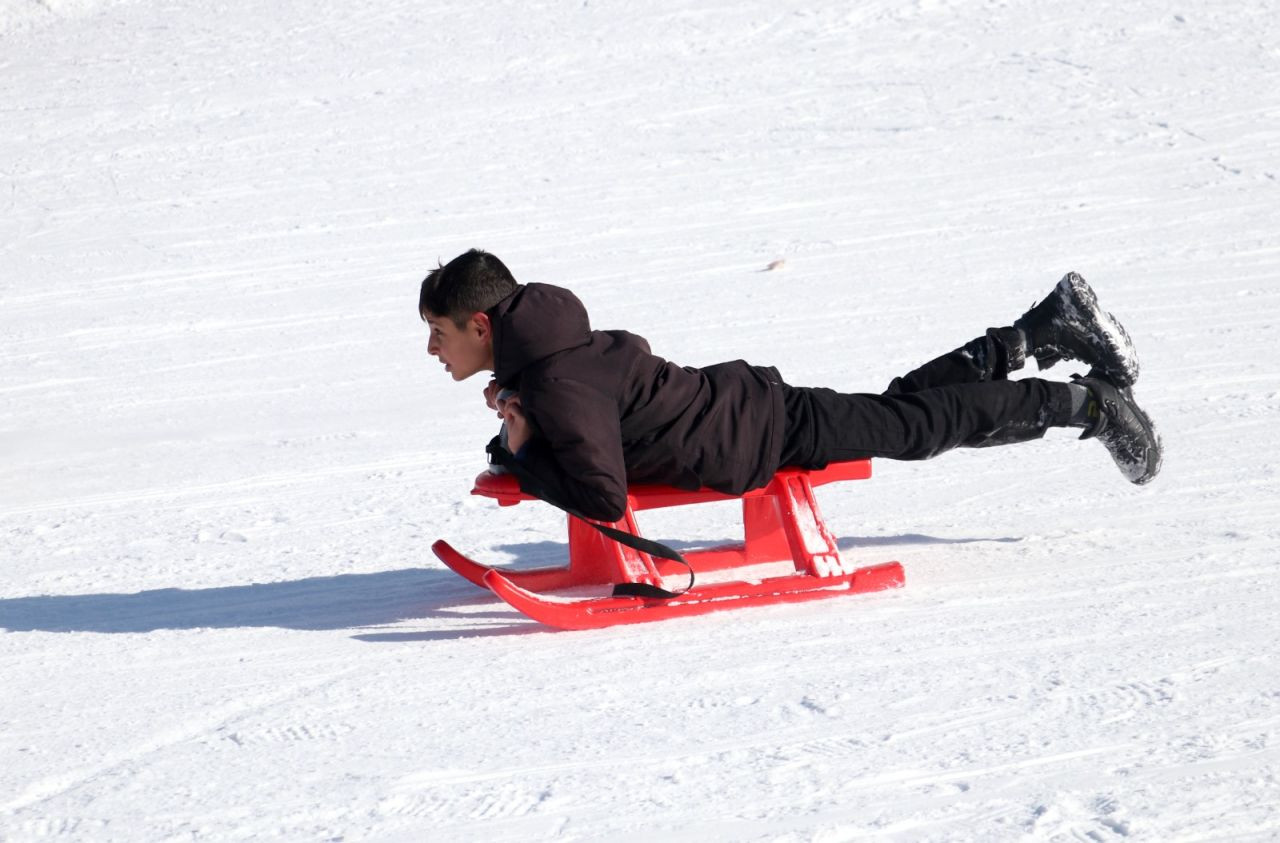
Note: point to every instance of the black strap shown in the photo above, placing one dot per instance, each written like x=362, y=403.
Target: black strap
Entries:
x=529, y=482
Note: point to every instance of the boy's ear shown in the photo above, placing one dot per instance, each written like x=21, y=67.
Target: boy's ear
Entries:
x=483, y=326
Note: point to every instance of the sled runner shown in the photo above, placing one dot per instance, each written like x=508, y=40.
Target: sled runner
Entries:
x=781, y=522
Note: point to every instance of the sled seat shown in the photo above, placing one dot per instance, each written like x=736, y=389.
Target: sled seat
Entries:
x=781, y=522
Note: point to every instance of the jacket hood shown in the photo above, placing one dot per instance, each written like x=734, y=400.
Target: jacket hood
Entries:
x=534, y=322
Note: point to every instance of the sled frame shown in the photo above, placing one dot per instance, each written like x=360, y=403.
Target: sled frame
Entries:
x=781, y=522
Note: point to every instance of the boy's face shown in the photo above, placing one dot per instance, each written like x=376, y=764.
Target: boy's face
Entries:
x=463, y=350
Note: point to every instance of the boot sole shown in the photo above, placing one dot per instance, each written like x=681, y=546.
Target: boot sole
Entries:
x=1109, y=342
x=1145, y=470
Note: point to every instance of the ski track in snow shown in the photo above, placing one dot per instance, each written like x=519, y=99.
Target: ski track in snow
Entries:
x=227, y=452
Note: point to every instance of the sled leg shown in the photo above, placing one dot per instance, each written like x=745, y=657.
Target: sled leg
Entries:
x=813, y=548
x=597, y=559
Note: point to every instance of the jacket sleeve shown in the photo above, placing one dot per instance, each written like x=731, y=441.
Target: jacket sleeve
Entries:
x=577, y=450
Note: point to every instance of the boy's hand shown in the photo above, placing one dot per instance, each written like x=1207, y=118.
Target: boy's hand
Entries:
x=507, y=405
x=519, y=428
x=491, y=396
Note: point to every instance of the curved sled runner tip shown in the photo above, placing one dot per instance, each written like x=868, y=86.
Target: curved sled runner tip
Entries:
x=537, y=579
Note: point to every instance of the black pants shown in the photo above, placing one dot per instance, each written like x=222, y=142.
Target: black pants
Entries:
x=962, y=399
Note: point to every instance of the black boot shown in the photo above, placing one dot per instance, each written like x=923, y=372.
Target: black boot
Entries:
x=1123, y=428
x=1069, y=325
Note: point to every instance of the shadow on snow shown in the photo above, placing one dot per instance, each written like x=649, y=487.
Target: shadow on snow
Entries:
x=346, y=601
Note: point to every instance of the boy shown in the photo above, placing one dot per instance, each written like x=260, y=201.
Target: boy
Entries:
x=586, y=412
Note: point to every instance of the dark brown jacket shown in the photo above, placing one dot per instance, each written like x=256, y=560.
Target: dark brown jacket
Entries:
x=608, y=412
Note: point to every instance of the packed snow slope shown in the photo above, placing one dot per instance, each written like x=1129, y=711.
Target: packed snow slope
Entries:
x=226, y=451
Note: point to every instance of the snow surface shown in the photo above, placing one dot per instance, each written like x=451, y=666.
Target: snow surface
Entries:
x=226, y=452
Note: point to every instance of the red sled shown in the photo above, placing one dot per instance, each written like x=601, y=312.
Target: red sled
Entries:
x=781, y=522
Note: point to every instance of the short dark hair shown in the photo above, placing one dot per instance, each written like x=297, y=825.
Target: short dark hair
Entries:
x=470, y=283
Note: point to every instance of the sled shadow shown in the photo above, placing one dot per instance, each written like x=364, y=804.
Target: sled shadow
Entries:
x=855, y=542
x=346, y=601
x=550, y=553
x=538, y=554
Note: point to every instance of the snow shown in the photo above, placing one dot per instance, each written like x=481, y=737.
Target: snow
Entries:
x=226, y=452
